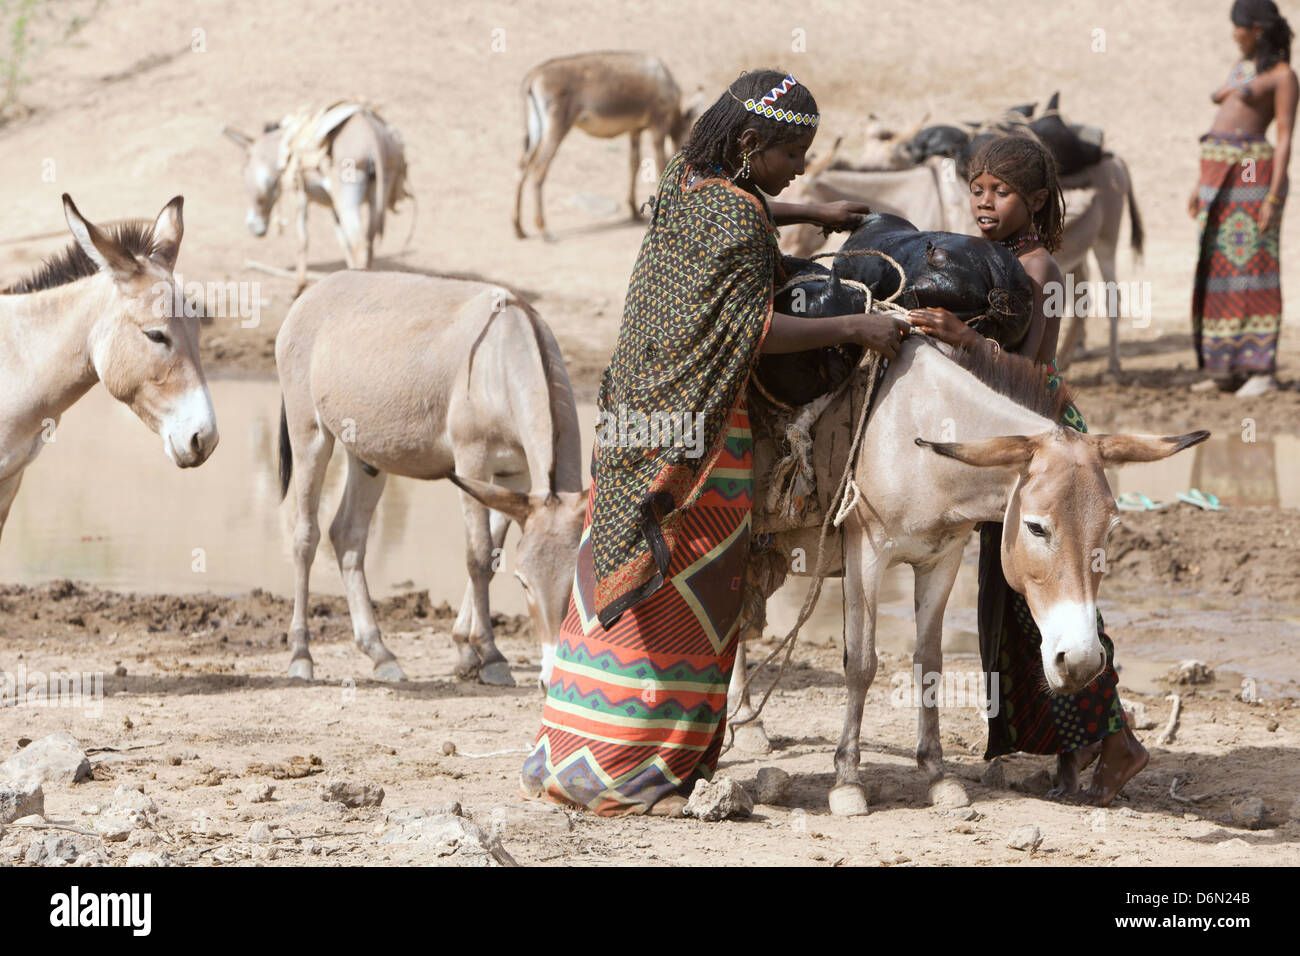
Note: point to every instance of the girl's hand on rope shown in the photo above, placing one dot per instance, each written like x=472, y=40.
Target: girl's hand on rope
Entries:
x=841, y=216
x=946, y=327
x=881, y=333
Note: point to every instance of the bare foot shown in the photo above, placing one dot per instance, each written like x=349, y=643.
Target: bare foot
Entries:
x=670, y=806
x=1069, y=765
x=1122, y=756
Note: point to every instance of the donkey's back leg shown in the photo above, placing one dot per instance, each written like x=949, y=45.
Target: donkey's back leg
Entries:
x=862, y=580
x=749, y=737
x=348, y=534
x=311, y=446
x=8, y=491
x=933, y=584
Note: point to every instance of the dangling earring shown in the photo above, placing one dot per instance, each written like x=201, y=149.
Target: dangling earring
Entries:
x=743, y=171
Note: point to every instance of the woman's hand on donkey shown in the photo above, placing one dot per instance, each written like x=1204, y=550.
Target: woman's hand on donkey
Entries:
x=841, y=216
x=946, y=327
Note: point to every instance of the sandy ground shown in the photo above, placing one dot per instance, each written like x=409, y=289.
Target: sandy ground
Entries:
x=128, y=114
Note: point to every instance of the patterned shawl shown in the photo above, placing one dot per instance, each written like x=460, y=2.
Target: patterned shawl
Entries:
x=697, y=309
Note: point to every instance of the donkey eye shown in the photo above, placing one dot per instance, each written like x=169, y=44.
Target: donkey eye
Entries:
x=154, y=335
x=1036, y=529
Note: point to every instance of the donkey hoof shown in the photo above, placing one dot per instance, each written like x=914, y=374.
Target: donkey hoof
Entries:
x=752, y=739
x=948, y=794
x=849, y=800
x=390, y=670
x=301, y=668
x=497, y=674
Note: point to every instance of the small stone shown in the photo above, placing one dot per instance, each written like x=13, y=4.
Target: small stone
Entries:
x=774, y=786
x=448, y=748
x=56, y=759
x=119, y=671
x=1272, y=726
x=264, y=852
x=260, y=832
x=963, y=828
x=1235, y=843
x=127, y=724
x=995, y=775
x=1136, y=713
x=92, y=857
x=718, y=799
x=259, y=792
x=1190, y=672
x=964, y=813
x=112, y=829
x=1037, y=783
x=143, y=838
x=352, y=793
x=20, y=800
x=128, y=799
x=1248, y=812
x=174, y=760
x=148, y=858
x=454, y=808
x=57, y=850
x=1025, y=838
x=451, y=836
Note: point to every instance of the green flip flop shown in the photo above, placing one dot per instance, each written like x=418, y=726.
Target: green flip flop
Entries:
x=1137, y=501
x=1200, y=499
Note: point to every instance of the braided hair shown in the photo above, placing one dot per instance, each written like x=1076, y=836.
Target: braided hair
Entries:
x=1025, y=164
x=1274, y=45
x=714, y=139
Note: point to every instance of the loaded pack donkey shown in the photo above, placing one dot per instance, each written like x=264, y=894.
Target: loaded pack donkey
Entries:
x=343, y=156
x=432, y=378
x=101, y=311
x=953, y=439
x=604, y=95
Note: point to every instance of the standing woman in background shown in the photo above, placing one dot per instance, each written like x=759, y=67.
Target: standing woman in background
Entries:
x=1237, y=295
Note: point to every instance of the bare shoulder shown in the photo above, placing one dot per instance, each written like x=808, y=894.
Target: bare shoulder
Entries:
x=1041, y=267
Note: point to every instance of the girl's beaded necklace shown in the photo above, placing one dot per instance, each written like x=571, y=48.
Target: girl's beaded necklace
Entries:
x=1020, y=241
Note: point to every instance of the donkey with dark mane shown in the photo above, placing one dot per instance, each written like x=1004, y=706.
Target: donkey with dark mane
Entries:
x=101, y=311
x=1007, y=459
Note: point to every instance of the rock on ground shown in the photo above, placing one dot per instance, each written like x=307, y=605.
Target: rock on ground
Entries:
x=774, y=786
x=455, y=840
x=56, y=759
x=995, y=775
x=1025, y=838
x=352, y=793
x=1248, y=812
x=1190, y=672
x=1138, y=719
x=148, y=858
x=58, y=850
x=259, y=792
x=1037, y=783
x=260, y=832
x=717, y=799
x=20, y=801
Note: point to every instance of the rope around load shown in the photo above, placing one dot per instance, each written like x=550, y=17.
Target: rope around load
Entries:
x=883, y=307
x=835, y=516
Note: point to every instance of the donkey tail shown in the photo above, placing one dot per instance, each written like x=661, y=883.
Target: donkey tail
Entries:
x=286, y=452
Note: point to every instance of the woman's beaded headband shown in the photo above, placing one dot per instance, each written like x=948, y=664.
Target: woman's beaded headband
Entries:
x=764, y=107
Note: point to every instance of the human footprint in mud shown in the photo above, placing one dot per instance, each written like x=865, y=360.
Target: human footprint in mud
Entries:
x=1016, y=200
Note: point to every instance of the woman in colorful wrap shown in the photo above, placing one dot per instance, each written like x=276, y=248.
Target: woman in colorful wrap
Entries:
x=1016, y=201
x=1237, y=292
x=635, y=707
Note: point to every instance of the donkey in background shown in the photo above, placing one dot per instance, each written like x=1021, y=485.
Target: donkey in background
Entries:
x=91, y=314
x=604, y=95
x=343, y=157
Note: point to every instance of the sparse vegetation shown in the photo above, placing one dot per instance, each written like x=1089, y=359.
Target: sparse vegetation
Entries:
x=27, y=29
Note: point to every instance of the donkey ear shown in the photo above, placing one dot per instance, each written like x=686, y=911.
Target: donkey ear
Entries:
x=1120, y=449
x=167, y=231
x=242, y=140
x=513, y=504
x=104, y=251
x=1007, y=450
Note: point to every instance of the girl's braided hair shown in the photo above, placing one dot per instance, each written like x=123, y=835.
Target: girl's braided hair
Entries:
x=714, y=139
x=1026, y=165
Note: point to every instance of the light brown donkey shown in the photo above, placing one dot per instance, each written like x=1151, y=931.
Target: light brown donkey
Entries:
x=102, y=311
x=432, y=378
x=1004, y=458
x=603, y=94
